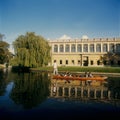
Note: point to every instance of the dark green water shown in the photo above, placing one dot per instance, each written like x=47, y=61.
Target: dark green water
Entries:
x=31, y=96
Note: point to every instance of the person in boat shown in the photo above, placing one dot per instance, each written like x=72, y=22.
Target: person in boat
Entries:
x=90, y=74
x=89, y=81
x=86, y=74
x=67, y=74
x=55, y=68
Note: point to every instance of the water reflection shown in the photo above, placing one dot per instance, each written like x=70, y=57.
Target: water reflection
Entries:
x=38, y=92
x=2, y=82
x=80, y=90
x=114, y=87
x=30, y=89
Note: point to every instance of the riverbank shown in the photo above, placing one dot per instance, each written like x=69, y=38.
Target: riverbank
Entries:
x=82, y=69
x=103, y=71
x=94, y=73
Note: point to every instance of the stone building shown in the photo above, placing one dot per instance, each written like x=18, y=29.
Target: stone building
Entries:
x=85, y=52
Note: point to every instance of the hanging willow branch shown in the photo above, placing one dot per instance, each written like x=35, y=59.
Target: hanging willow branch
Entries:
x=31, y=50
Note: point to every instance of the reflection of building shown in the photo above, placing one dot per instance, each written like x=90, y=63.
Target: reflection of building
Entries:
x=83, y=52
x=81, y=91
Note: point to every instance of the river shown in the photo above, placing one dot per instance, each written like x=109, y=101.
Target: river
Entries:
x=37, y=96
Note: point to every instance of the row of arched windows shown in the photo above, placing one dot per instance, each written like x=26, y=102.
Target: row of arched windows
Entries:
x=87, y=48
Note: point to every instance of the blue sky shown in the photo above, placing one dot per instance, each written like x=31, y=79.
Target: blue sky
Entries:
x=54, y=18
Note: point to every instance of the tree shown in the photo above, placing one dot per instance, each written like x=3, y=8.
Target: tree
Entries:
x=4, y=52
x=31, y=50
x=111, y=58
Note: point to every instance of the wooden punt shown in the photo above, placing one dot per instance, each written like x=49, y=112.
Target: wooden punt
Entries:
x=99, y=78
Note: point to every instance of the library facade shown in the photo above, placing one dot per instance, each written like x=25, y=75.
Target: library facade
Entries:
x=86, y=52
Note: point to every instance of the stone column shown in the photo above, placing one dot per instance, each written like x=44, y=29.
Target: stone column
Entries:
x=102, y=93
x=109, y=95
x=94, y=47
x=70, y=47
x=88, y=47
x=88, y=92
x=57, y=89
x=81, y=92
x=69, y=89
x=101, y=47
x=75, y=92
x=95, y=93
x=108, y=47
x=63, y=92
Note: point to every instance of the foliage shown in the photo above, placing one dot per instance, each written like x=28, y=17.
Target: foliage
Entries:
x=31, y=50
x=4, y=52
x=111, y=57
x=30, y=89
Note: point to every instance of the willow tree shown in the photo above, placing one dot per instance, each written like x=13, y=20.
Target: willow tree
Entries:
x=31, y=50
x=4, y=52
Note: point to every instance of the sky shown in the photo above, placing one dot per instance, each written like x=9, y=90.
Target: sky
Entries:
x=54, y=18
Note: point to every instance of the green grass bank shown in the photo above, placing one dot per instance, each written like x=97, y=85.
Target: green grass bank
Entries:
x=82, y=69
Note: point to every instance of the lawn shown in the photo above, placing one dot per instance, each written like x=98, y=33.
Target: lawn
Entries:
x=82, y=69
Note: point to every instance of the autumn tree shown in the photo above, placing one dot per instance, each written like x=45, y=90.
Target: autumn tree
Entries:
x=31, y=50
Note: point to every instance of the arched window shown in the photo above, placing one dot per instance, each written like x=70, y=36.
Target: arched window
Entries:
x=79, y=48
x=60, y=62
x=73, y=49
x=118, y=48
x=111, y=47
x=85, y=48
x=98, y=48
x=55, y=48
x=105, y=48
x=66, y=62
x=98, y=62
x=92, y=48
x=67, y=48
x=61, y=48
x=73, y=62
